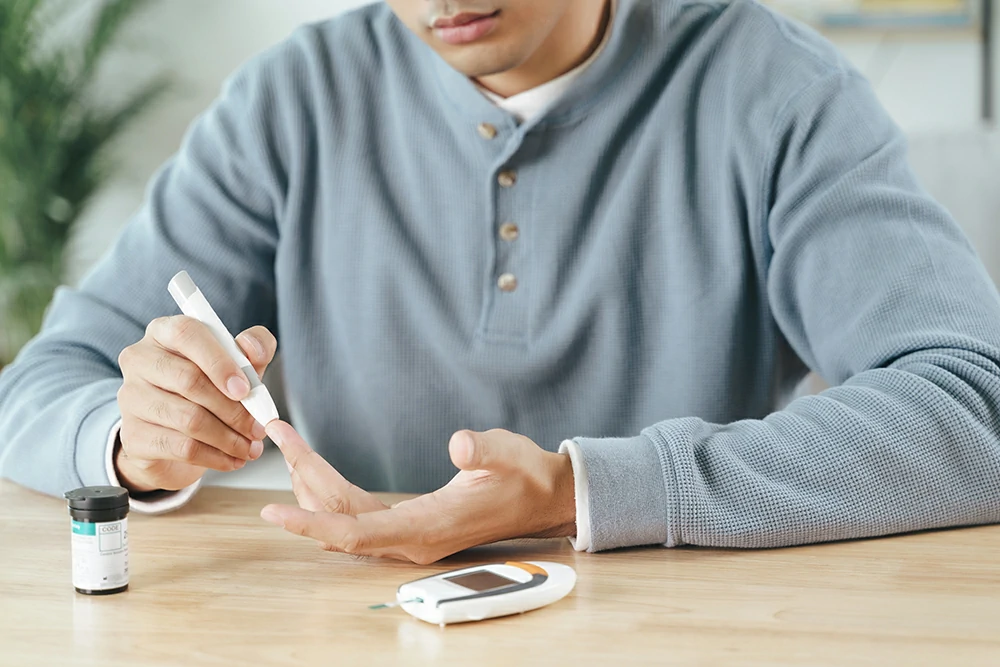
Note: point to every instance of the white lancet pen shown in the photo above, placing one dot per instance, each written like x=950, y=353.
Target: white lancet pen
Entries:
x=193, y=303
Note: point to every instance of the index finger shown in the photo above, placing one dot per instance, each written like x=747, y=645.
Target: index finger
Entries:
x=190, y=338
x=322, y=479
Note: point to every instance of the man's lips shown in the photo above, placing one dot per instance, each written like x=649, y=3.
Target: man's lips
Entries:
x=466, y=27
x=460, y=19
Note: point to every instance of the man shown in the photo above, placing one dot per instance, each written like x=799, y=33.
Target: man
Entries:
x=621, y=231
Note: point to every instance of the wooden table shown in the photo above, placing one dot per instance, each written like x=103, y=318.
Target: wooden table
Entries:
x=213, y=584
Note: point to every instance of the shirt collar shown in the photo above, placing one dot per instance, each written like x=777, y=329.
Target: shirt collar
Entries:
x=527, y=105
x=629, y=32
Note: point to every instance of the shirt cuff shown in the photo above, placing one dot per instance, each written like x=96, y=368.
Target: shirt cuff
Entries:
x=581, y=491
x=626, y=491
x=155, y=502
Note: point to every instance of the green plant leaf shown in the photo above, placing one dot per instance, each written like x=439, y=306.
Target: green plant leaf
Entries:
x=53, y=147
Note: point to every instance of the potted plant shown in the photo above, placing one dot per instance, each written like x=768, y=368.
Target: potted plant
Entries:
x=53, y=139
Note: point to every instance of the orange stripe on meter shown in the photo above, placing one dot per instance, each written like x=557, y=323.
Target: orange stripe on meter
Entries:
x=527, y=567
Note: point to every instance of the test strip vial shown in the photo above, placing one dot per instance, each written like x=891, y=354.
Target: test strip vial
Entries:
x=99, y=522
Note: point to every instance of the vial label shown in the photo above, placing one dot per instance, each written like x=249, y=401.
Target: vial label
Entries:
x=100, y=555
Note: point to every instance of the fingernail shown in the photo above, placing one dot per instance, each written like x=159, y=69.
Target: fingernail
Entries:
x=238, y=387
x=290, y=468
x=276, y=431
x=258, y=432
x=256, y=449
x=465, y=448
x=239, y=464
x=269, y=515
x=258, y=349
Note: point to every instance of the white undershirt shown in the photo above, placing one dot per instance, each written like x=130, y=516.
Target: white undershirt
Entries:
x=531, y=103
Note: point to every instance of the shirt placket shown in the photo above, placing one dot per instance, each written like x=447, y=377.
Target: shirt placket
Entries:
x=505, y=312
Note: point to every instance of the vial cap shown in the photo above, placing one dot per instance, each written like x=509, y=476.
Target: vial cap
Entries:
x=95, y=498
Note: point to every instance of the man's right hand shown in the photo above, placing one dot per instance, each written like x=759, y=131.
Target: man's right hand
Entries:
x=180, y=405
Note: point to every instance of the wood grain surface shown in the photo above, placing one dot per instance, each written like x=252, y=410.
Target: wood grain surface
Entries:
x=212, y=584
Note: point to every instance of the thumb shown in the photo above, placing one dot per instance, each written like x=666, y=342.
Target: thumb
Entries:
x=493, y=450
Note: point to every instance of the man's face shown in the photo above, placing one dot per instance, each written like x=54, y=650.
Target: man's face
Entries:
x=482, y=37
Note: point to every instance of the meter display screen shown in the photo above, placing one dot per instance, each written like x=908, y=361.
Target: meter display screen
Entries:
x=481, y=581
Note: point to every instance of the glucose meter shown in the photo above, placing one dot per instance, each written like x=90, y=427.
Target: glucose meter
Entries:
x=485, y=591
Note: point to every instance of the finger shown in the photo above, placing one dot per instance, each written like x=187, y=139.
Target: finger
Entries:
x=390, y=533
x=162, y=408
x=322, y=479
x=150, y=442
x=307, y=499
x=259, y=345
x=179, y=375
x=496, y=449
x=191, y=339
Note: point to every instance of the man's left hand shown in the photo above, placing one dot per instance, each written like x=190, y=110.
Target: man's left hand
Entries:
x=507, y=487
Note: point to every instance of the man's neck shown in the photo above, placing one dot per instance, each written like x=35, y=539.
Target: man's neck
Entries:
x=577, y=36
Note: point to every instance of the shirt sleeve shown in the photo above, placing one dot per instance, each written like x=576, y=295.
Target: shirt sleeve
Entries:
x=155, y=502
x=212, y=210
x=581, y=493
x=874, y=287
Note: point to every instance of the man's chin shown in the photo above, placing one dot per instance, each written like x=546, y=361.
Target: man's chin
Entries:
x=479, y=61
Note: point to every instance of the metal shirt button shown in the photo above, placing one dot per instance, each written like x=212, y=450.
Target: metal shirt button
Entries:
x=507, y=178
x=507, y=282
x=509, y=231
x=487, y=131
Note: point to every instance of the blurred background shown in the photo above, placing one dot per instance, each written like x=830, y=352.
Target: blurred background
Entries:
x=150, y=66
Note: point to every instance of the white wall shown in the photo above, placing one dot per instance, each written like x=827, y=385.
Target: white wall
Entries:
x=930, y=87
